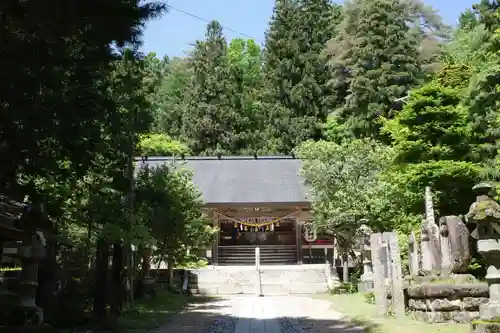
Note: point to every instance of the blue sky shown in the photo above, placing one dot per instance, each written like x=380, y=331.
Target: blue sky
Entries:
x=172, y=34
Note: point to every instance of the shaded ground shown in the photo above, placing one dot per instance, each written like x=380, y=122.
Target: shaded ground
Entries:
x=150, y=313
x=245, y=314
x=364, y=315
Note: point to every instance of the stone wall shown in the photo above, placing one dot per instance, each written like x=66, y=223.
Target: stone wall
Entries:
x=441, y=303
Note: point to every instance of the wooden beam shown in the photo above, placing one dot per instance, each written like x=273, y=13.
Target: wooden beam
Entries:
x=271, y=205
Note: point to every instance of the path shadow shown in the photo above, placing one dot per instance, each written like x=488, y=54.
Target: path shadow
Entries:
x=216, y=317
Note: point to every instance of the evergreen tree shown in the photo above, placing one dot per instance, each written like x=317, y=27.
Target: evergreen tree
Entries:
x=171, y=98
x=375, y=60
x=245, y=88
x=207, y=119
x=295, y=70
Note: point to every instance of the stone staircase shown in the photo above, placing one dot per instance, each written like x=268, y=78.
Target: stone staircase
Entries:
x=300, y=279
x=269, y=255
x=274, y=280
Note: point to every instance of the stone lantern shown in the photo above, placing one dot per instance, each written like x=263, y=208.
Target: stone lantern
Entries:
x=367, y=278
x=484, y=213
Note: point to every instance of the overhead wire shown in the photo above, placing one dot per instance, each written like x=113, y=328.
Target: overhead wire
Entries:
x=224, y=27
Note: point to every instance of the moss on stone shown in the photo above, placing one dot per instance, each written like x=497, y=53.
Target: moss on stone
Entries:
x=495, y=321
x=485, y=209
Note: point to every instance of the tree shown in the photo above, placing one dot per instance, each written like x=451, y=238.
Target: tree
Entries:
x=374, y=61
x=55, y=106
x=155, y=144
x=171, y=205
x=209, y=120
x=475, y=48
x=171, y=101
x=244, y=97
x=295, y=70
x=342, y=178
x=430, y=136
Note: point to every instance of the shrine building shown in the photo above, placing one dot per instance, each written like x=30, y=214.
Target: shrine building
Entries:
x=258, y=201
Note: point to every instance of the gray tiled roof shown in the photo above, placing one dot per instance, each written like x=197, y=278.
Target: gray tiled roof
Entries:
x=239, y=179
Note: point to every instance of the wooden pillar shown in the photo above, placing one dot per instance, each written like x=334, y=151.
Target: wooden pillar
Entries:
x=215, y=246
x=298, y=239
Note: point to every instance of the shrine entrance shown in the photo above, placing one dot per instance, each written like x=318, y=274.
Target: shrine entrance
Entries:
x=252, y=201
x=275, y=232
x=257, y=231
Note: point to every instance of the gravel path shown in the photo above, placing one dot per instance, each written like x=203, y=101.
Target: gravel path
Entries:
x=248, y=314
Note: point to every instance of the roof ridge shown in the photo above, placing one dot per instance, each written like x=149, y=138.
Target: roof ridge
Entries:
x=216, y=158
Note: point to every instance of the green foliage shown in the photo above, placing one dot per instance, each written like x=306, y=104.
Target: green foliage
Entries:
x=58, y=110
x=75, y=111
x=431, y=137
x=159, y=144
x=295, y=70
x=345, y=288
x=369, y=297
x=170, y=205
x=374, y=59
x=431, y=126
x=343, y=179
x=209, y=119
x=170, y=100
x=453, y=75
x=335, y=131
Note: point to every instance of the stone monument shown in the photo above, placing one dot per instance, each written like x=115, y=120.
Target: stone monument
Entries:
x=387, y=273
x=454, y=241
x=430, y=247
x=484, y=213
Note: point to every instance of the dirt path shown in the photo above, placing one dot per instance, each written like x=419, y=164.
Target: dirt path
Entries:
x=248, y=314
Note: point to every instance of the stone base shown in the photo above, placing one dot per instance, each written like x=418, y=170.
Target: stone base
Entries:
x=44, y=328
x=433, y=278
x=366, y=286
x=485, y=327
x=445, y=317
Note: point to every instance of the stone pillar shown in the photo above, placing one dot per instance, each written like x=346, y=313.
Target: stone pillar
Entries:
x=445, y=246
x=334, y=256
x=379, y=255
x=485, y=214
x=367, y=278
x=431, y=250
x=396, y=281
x=298, y=235
x=215, y=244
x=413, y=255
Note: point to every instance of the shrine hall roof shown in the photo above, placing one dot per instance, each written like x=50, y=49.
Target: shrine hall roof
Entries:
x=242, y=179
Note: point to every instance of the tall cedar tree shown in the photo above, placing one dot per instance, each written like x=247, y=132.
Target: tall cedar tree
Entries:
x=295, y=70
x=375, y=61
x=54, y=107
x=208, y=120
x=484, y=93
x=171, y=98
x=245, y=75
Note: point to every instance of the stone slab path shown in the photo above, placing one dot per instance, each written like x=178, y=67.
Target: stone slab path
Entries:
x=249, y=314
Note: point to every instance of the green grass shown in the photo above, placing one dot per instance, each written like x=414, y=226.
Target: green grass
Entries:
x=150, y=313
x=364, y=315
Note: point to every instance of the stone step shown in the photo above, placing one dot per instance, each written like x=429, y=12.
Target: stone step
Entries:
x=237, y=260
x=251, y=254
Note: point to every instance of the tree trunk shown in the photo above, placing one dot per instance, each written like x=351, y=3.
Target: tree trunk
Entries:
x=100, y=296
x=116, y=283
x=170, y=269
